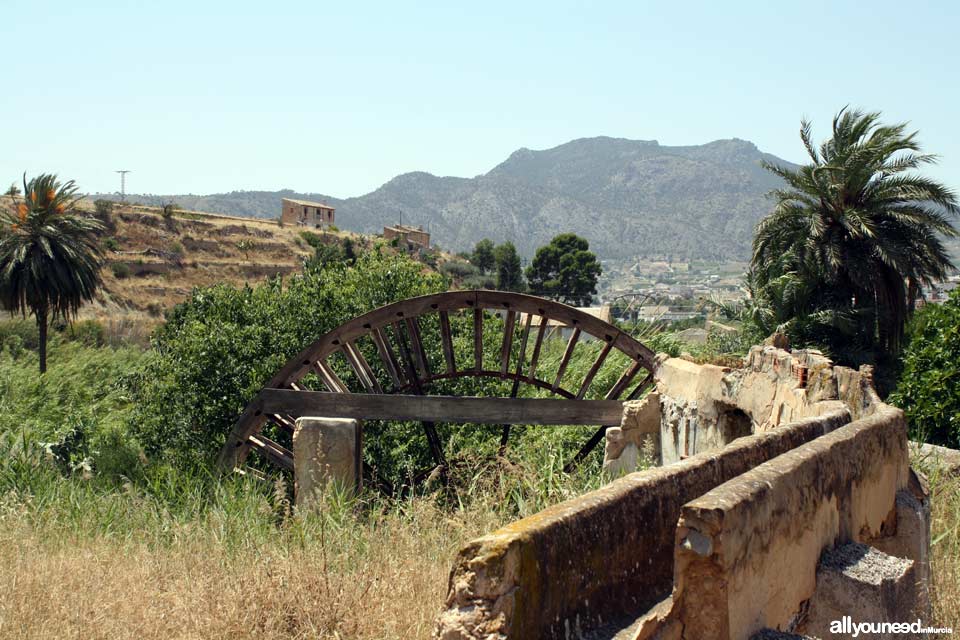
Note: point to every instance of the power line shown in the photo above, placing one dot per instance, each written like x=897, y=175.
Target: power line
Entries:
x=123, y=183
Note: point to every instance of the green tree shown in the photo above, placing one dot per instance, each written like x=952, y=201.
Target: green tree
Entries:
x=349, y=252
x=218, y=348
x=245, y=245
x=49, y=256
x=509, y=272
x=13, y=191
x=565, y=270
x=927, y=390
x=482, y=257
x=853, y=236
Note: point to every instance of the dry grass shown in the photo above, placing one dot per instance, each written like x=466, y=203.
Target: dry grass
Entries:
x=388, y=582
x=945, y=556
x=379, y=575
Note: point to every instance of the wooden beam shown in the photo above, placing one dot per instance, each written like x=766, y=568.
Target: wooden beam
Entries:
x=329, y=377
x=567, y=354
x=387, y=356
x=429, y=428
x=505, y=430
x=478, y=339
x=447, y=340
x=641, y=387
x=363, y=406
x=506, y=346
x=523, y=355
x=624, y=381
x=535, y=358
x=618, y=388
x=361, y=368
x=413, y=330
x=272, y=451
x=594, y=369
x=282, y=421
x=585, y=449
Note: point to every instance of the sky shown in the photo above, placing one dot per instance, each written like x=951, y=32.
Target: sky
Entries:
x=337, y=98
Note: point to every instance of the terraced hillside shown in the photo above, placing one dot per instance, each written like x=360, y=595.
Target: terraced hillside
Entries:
x=153, y=260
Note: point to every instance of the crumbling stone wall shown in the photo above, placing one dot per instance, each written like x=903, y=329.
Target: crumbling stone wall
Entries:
x=725, y=541
x=705, y=407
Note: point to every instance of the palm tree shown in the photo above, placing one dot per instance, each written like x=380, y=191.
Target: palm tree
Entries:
x=49, y=256
x=857, y=227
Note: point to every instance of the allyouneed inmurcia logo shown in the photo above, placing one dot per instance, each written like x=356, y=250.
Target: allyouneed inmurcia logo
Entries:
x=846, y=625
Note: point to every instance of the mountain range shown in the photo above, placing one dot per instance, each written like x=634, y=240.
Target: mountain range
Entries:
x=628, y=198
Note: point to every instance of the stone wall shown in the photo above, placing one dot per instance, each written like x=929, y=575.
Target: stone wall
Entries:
x=705, y=407
x=747, y=551
x=602, y=558
x=768, y=466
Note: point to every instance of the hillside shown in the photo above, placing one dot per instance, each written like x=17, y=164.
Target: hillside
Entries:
x=154, y=261
x=627, y=197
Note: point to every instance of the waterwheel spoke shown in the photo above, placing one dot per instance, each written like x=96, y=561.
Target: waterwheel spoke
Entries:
x=523, y=355
x=275, y=453
x=478, y=339
x=594, y=369
x=387, y=356
x=585, y=449
x=429, y=428
x=567, y=354
x=361, y=368
x=282, y=421
x=643, y=386
x=505, y=347
x=535, y=358
x=328, y=377
x=413, y=330
x=447, y=340
x=505, y=431
x=624, y=381
x=613, y=394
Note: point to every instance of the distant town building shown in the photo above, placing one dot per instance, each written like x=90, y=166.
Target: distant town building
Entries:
x=306, y=213
x=408, y=235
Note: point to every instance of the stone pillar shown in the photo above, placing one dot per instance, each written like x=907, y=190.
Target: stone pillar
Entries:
x=625, y=444
x=325, y=450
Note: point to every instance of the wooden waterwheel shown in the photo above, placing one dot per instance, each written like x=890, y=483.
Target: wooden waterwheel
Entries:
x=394, y=336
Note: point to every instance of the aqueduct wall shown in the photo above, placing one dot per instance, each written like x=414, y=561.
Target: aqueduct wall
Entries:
x=763, y=470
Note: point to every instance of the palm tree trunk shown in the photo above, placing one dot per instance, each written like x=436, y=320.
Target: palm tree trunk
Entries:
x=913, y=292
x=41, y=314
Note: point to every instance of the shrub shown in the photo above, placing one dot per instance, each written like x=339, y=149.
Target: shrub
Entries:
x=103, y=211
x=458, y=269
x=111, y=244
x=311, y=238
x=24, y=332
x=928, y=389
x=14, y=346
x=219, y=347
x=120, y=270
x=88, y=332
x=77, y=409
x=479, y=281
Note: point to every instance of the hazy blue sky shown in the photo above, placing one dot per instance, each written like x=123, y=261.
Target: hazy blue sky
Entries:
x=339, y=97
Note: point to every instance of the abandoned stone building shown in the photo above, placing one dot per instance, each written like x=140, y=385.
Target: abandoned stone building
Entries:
x=309, y=214
x=408, y=235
